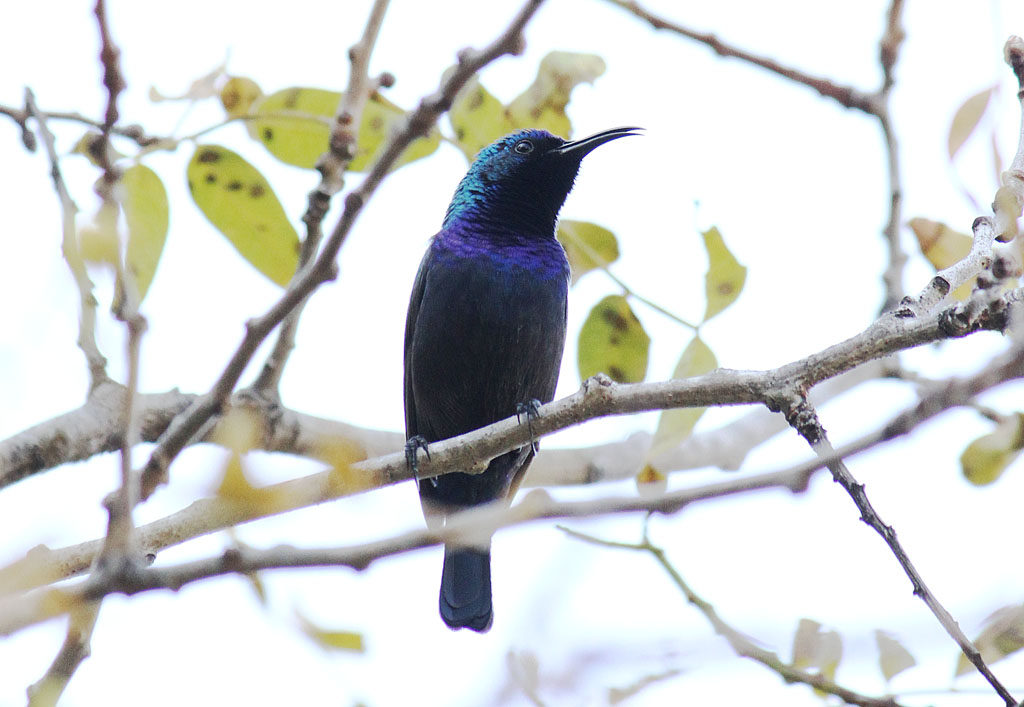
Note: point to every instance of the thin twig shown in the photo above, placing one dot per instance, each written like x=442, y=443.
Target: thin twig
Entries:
x=846, y=96
x=888, y=53
x=739, y=642
x=72, y=256
x=324, y=268
x=113, y=80
x=804, y=419
x=332, y=165
x=46, y=691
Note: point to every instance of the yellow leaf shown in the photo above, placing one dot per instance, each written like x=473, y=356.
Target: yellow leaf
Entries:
x=587, y=245
x=477, y=118
x=613, y=341
x=329, y=638
x=676, y=425
x=236, y=488
x=298, y=127
x=943, y=246
x=1002, y=635
x=99, y=242
x=238, y=94
x=651, y=482
x=233, y=483
x=238, y=200
x=542, y=105
x=239, y=430
x=725, y=276
x=893, y=658
x=966, y=119
x=986, y=458
x=144, y=200
x=816, y=649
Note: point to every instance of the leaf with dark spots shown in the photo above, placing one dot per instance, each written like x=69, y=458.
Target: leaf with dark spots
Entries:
x=613, y=341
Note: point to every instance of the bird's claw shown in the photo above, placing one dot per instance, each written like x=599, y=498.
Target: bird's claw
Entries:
x=531, y=408
x=412, y=446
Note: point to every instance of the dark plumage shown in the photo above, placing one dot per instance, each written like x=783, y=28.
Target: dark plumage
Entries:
x=486, y=328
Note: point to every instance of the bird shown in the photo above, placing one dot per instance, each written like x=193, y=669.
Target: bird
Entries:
x=485, y=331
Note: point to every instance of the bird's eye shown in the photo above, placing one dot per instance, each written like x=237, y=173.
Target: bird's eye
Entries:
x=523, y=147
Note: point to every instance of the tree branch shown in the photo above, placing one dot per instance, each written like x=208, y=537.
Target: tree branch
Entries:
x=324, y=268
x=738, y=641
x=72, y=256
x=596, y=398
x=804, y=419
x=332, y=165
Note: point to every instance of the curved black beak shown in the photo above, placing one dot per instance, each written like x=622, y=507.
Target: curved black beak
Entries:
x=582, y=148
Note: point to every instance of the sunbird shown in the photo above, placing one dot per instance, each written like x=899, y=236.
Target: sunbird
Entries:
x=485, y=332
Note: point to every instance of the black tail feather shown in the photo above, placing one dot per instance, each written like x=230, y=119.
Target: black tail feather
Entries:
x=465, y=600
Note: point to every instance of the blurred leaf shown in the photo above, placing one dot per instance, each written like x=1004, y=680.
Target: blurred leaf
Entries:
x=816, y=649
x=89, y=147
x=613, y=341
x=676, y=425
x=651, y=482
x=341, y=454
x=239, y=430
x=259, y=589
x=724, y=279
x=144, y=201
x=203, y=87
x=966, y=119
x=1003, y=635
x=300, y=127
x=233, y=482
x=587, y=245
x=986, y=458
x=239, y=202
x=477, y=118
x=943, y=246
x=524, y=671
x=238, y=95
x=331, y=639
x=893, y=658
x=98, y=241
x=542, y=105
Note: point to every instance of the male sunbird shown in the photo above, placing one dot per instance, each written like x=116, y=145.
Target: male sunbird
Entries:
x=485, y=332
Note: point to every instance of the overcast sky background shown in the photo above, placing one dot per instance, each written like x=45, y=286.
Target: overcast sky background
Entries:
x=795, y=183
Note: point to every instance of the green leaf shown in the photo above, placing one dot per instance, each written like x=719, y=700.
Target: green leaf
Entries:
x=966, y=119
x=146, y=211
x=587, y=245
x=986, y=458
x=330, y=638
x=893, y=658
x=613, y=341
x=1003, y=635
x=298, y=128
x=542, y=105
x=724, y=279
x=477, y=118
x=676, y=425
x=238, y=95
x=239, y=202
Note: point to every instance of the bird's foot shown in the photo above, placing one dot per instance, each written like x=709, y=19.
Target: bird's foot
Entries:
x=412, y=446
x=531, y=409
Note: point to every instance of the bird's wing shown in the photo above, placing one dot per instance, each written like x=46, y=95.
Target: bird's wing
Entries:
x=411, y=424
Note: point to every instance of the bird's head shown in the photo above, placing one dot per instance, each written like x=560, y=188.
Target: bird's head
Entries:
x=524, y=177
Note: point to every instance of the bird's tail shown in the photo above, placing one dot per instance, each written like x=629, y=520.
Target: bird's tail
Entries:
x=466, y=588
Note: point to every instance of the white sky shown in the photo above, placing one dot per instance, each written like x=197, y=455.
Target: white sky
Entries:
x=797, y=186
